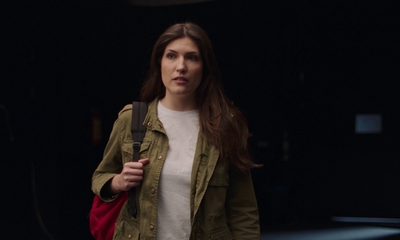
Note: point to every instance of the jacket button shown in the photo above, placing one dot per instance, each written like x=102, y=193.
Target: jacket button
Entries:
x=149, y=124
x=151, y=227
x=153, y=191
x=159, y=157
x=129, y=236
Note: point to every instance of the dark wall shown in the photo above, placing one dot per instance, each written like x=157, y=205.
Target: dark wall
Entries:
x=299, y=71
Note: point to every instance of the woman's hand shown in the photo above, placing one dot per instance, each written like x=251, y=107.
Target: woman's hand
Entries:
x=130, y=176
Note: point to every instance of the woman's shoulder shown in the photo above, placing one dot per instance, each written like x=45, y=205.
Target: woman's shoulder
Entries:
x=124, y=111
x=125, y=117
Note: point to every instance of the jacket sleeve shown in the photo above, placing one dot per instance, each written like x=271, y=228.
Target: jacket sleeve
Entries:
x=242, y=209
x=112, y=161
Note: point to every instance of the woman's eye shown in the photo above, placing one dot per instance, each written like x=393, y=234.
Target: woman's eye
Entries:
x=170, y=55
x=193, y=58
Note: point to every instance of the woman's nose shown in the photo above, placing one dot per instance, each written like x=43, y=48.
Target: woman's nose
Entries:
x=181, y=66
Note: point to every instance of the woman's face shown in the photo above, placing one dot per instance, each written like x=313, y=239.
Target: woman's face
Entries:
x=181, y=68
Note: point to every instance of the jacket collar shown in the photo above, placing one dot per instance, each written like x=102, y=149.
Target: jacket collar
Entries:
x=152, y=121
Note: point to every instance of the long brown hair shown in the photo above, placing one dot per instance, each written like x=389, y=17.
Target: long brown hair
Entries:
x=221, y=123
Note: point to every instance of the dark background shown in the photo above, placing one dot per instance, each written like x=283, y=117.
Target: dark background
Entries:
x=300, y=71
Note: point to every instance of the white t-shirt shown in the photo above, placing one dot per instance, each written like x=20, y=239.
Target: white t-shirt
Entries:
x=182, y=129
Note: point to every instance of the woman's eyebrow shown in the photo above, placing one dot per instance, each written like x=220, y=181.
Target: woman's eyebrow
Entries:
x=193, y=52
x=190, y=52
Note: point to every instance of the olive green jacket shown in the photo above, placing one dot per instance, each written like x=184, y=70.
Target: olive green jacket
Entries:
x=223, y=204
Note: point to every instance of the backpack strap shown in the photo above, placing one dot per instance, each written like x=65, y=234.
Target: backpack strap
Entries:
x=139, y=111
x=138, y=130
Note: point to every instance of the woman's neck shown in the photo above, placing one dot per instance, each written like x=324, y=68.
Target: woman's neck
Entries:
x=179, y=104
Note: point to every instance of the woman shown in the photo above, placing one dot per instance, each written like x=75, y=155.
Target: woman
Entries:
x=193, y=177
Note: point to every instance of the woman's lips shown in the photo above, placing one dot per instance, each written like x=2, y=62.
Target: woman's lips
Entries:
x=180, y=79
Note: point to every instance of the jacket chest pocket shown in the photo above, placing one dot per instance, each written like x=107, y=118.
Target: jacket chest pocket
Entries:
x=220, y=177
x=215, y=195
x=127, y=149
x=217, y=187
x=219, y=180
